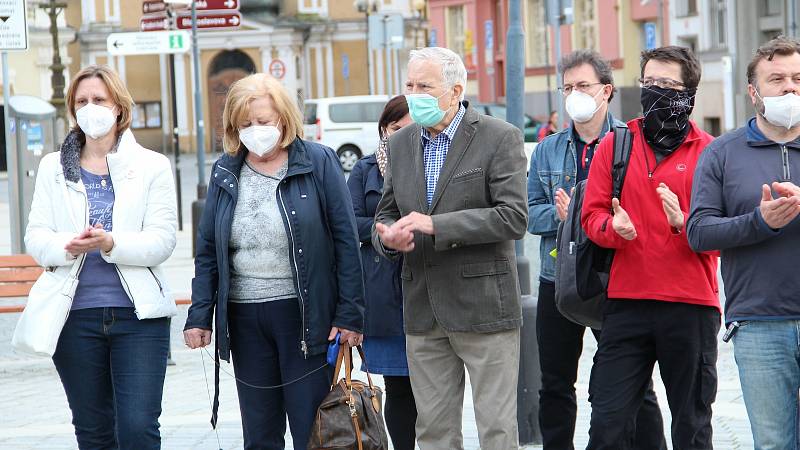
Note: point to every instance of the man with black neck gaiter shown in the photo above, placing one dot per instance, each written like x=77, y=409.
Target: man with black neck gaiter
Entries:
x=663, y=302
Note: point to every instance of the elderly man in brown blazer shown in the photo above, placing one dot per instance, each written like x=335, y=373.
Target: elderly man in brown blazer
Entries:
x=454, y=201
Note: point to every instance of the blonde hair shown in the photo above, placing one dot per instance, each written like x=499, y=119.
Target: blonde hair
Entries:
x=116, y=88
x=237, y=110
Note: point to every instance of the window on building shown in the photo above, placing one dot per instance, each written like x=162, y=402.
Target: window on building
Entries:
x=585, y=24
x=146, y=115
x=719, y=28
x=768, y=35
x=689, y=42
x=772, y=7
x=536, y=34
x=454, y=29
x=686, y=8
x=713, y=126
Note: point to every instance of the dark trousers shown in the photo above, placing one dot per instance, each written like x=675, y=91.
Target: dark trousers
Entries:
x=401, y=412
x=636, y=334
x=112, y=366
x=560, y=346
x=265, y=344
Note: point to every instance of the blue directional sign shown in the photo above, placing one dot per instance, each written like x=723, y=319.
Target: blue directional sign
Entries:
x=649, y=35
x=488, y=27
x=345, y=67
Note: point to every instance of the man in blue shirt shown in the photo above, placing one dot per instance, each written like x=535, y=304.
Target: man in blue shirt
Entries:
x=561, y=161
x=745, y=202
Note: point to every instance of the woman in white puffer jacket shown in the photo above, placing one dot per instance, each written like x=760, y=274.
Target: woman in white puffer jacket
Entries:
x=108, y=204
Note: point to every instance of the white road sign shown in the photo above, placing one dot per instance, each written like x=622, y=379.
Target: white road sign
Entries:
x=13, y=25
x=148, y=43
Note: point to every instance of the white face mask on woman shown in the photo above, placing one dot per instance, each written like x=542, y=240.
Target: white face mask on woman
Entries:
x=96, y=121
x=260, y=139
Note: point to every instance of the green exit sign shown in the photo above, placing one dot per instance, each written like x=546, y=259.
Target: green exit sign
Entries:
x=176, y=41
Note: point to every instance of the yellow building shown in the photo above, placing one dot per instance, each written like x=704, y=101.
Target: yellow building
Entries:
x=305, y=41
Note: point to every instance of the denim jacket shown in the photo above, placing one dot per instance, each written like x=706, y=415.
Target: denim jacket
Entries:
x=553, y=165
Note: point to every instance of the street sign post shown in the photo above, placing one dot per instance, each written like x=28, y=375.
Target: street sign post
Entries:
x=221, y=19
x=13, y=36
x=13, y=25
x=277, y=69
x=153, y=6
x=150, y=43
x=154, y=23
x=207, y=5
x=649, y=36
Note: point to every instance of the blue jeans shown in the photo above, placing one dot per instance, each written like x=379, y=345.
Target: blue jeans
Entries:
x=112, y=366
x=768, y=356
x=265, y=344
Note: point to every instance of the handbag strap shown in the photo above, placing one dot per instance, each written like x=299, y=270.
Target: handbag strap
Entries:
x=346, y=355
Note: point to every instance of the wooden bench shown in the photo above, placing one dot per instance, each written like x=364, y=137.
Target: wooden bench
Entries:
x=17, y=275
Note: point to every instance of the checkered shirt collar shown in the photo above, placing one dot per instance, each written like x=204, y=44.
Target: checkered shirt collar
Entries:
x=450, y=131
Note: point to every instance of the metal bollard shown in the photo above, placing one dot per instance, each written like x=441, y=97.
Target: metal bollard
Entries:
x=197, y=211
x=530, y=376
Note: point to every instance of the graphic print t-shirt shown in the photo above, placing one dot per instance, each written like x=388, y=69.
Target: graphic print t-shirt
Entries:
x=99, y=284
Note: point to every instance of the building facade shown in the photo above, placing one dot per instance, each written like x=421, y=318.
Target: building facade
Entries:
x=318, y=48
x=724, y=34
x=615, y=28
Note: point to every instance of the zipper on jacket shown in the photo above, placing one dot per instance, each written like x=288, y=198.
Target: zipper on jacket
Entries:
x=303, y=345
x=234, y=175
x=160, y=288
x=787, y=172
x=126, y=288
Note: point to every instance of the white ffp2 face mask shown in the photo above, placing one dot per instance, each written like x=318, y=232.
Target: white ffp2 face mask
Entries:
x=95, y=121
x=260, y=139
x=581, y=106
x=783, y=111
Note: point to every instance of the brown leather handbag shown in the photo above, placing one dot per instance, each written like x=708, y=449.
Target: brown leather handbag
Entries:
x=350, y=417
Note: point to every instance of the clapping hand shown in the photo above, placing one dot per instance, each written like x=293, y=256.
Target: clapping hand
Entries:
x=778, y=212
x=671, y=205
x=622, y=222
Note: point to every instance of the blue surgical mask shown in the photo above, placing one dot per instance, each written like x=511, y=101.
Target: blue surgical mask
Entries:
x=424, y=109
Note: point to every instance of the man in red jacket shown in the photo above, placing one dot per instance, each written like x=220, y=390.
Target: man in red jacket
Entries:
x=663, y=298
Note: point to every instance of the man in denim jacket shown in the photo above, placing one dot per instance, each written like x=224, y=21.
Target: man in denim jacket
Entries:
x=560, y=161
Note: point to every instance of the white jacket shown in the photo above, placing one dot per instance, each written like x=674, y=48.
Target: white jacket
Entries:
x=144, y=218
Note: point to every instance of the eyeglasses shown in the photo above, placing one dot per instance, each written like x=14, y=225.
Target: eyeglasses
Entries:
x=663, y=83
x=582, y=87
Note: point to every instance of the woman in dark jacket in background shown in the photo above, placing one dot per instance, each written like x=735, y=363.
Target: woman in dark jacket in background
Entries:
x=384, y=340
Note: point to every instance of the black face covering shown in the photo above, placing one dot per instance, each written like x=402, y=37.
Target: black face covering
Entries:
x=666, y=117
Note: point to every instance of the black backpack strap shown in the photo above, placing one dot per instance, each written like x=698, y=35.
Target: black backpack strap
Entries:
x=623, y=142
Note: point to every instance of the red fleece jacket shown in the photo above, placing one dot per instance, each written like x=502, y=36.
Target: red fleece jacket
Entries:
x=658, y=264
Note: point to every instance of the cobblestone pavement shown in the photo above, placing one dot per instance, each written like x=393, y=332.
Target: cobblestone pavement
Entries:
x=35, y=415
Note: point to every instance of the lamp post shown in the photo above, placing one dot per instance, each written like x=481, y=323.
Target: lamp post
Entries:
x=365, y=7
x=57, y=80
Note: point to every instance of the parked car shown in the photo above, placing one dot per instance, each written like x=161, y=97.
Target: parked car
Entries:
x=348, y=125
x=499, y=111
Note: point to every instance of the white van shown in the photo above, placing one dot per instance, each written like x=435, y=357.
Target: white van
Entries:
x=348, y=125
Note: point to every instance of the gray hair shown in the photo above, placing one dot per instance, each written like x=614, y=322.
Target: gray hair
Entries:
x=453, y=70
x=580, y=57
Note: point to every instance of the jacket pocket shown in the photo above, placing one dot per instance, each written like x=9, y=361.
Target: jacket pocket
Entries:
x=468, y=175
x=405, y=274
x=708, y=377
x=481, y=269
x=551, y=181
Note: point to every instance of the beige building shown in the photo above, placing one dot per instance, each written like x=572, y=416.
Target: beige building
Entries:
x=306, y=41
